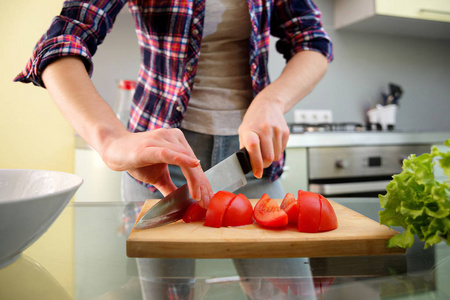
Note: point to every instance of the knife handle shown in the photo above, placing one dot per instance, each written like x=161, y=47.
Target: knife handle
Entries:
x=244, y=160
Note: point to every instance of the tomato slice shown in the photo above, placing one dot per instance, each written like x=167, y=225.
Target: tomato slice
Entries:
x=328, y=219
x=309, y=211
x=321, y=284
x=268, y=213
x=289, y=205
x=217, y=208
x=194, y=213
x=240, y=212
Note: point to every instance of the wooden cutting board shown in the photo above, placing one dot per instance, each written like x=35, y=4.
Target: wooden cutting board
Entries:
x=356, y=235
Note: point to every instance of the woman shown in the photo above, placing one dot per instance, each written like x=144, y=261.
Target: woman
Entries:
x=203, y=89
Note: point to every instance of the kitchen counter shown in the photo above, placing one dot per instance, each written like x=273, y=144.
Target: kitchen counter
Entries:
x=365, y=138
x=101, y=270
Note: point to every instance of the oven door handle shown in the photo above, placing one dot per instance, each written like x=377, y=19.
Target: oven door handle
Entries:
x=349, y=187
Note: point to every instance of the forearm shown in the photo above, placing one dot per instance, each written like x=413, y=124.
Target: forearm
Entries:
x=299, y=77
x=76, y=97
x=264, y=131
x=144, y=155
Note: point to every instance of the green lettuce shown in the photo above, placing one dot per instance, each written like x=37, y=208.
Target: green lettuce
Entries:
x=419, y=203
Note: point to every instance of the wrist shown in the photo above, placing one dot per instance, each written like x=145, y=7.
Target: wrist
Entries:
x=275, y=96
x=103, y=139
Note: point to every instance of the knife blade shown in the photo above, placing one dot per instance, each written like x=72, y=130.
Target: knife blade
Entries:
x=228, y=175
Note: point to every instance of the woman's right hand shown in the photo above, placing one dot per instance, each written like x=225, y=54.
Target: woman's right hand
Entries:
x=146, y=156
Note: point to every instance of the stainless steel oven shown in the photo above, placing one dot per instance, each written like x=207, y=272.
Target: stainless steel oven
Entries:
x=356, y=171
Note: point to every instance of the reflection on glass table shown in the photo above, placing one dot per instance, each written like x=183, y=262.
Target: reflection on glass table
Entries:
x=101, y=269
x=27, y=279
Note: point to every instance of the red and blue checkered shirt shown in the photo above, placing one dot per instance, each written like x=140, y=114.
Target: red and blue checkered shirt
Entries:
x=169, y=34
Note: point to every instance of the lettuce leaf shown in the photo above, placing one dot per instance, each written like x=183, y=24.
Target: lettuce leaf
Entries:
x=416, y=201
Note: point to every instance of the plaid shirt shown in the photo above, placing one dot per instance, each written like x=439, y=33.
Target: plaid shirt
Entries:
x=169, y=34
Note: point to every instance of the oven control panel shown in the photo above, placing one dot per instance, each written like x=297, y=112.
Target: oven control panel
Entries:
x=354, y=161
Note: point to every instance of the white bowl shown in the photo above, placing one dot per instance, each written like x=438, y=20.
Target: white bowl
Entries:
x=30, y=201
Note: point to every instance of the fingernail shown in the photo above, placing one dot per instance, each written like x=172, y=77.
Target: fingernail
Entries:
x=198, y=194
x=205, y=201
x=205, y=196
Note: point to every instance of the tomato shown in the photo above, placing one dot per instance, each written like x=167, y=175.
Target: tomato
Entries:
x=311, y=212
x=194, y=213
x=289, y=205
x=227, y=209
x=328, y=220
x=217, y=207
x=240, y=212
x=315, y=213
x=268, y=213
x=309, y=209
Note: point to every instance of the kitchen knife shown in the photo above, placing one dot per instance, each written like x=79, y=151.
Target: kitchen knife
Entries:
x=228, y=175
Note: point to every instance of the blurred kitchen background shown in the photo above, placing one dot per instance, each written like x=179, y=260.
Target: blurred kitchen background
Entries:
x=376, y=43
x=367, y=58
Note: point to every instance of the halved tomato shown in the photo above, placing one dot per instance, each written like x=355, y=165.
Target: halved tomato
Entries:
x=240, y=212
x=194, y=213
x=217, y=207
x=268, y=213
x=289, y=205
x=309, y=211
x=315, y=213
x=328, y=220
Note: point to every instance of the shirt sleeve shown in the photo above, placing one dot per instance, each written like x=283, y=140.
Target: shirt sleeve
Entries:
x=78, y=30
x=298, y=25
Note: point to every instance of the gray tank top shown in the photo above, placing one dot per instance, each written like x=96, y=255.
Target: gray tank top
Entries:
x=222, y=88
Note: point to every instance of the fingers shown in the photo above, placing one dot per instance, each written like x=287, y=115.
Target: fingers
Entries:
x=251, y=141
x=265, y=145
x=163, y=182
x=280, y=140
x=199, y=186
x=174, y=156
x=175, y=150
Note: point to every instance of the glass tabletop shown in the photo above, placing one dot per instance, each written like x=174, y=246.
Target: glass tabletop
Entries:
x=83, y=256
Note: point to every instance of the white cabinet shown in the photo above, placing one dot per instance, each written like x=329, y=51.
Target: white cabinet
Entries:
x=416, y=18
x=101, y=184
x=432, y=10
x=295, y=175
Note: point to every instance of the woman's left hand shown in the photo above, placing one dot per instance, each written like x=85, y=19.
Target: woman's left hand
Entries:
x=264, y=132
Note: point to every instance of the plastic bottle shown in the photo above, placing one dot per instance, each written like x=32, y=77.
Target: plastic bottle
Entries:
x=122, y=105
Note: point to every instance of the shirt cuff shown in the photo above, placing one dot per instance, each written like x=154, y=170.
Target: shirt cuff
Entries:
x=322, y=45
x=50, y=50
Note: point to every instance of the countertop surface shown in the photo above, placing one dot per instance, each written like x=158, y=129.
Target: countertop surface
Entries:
x=365, y=138
x=95, y=234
